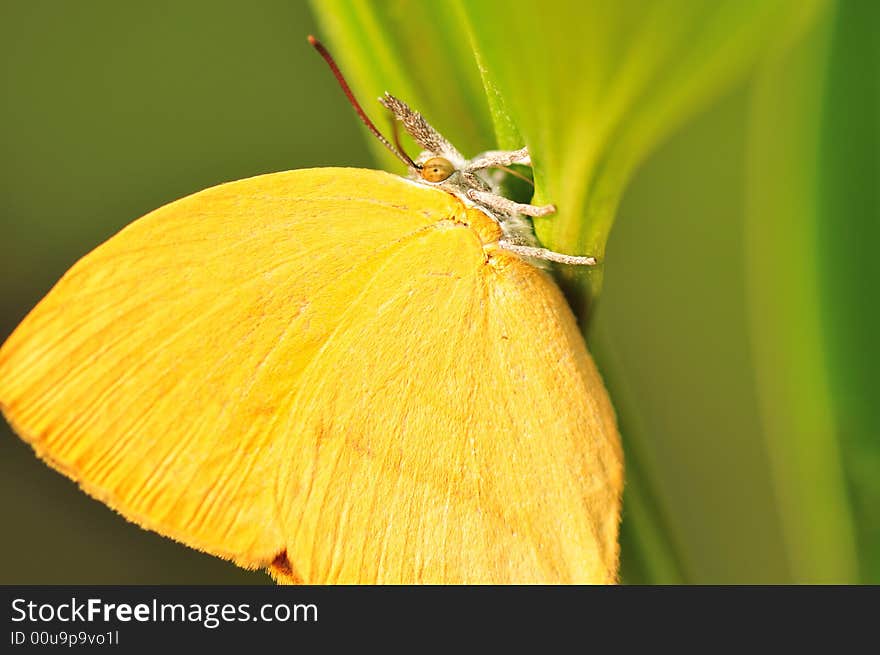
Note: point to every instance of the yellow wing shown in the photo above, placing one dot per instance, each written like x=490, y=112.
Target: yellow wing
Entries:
x=331, y=373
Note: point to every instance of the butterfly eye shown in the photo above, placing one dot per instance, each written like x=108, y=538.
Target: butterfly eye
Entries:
x=437, y=169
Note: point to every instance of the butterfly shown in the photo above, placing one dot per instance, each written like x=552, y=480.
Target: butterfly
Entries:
x=339, y=375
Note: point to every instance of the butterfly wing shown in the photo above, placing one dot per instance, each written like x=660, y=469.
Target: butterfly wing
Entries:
x=306, y=371
x=460, y=432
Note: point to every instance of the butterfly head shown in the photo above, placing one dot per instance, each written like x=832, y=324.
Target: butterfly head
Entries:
x=436, y=169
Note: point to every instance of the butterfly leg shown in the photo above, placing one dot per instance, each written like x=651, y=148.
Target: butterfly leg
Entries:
x=546, y=255
x=496, y=158
x=503, y=205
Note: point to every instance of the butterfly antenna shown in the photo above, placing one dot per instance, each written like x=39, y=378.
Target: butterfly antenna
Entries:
x=395, y=132
x=515, y=174
x=399, y=153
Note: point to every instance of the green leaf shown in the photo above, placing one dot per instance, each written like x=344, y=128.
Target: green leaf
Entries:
x=671, y=337
x=786, y=266
x=848, y=231
x=594, y=86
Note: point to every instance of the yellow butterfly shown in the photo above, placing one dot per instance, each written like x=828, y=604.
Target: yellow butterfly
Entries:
x=338, y=374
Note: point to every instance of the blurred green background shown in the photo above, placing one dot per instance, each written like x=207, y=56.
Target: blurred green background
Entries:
x=738, y=322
